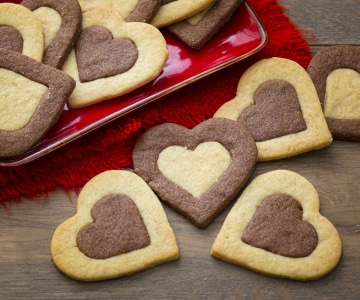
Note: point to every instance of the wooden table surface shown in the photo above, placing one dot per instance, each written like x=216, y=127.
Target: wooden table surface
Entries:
x=27, y=271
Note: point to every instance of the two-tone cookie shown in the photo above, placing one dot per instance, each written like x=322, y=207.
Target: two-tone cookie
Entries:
x=119, y=228
x=113, y=57
x=277, y=101
x=275, y=228
x=61, y=23
x=197, y=171
x=335, y=72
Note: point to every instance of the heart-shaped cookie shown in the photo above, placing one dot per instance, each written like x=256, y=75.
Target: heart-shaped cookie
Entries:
x=119, y=228
x=284, y=144
x=335, y=72
x=173, y=11
x=32, y=97
x=130, y=10
x=61, y=22
x=152, y=54
x=198, y=199
x=26, y=25
x=197, y=30
x=275, y=228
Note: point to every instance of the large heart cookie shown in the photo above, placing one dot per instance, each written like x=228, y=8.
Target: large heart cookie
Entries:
x=197, y=30
x=196, y=171
x=173, y=11
x=32, y=97
x=119, y=228
x=335, y=72
x=61, y=22
x=130, y=10
x=20, y=26
x=151, y=55
x=275, y=228
x=281, y=130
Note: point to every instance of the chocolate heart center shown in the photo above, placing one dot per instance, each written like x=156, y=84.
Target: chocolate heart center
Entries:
x=276, y=111
x=98, y=55
x=278, y=227
x=118, y=228
x=11, y=39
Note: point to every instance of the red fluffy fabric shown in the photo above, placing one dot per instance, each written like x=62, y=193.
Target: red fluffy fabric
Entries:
x=110, y=147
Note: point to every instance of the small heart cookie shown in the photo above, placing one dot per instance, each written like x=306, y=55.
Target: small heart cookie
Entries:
x=173, y=11
x=61, y=22
x=119, y=228
x=140, y=45
x=335, y=72
x=196, y=171
x=275, y=228
x=130, y=10
x=32, y=97
x=197, y=30
x=277, y=101
x=19, y=26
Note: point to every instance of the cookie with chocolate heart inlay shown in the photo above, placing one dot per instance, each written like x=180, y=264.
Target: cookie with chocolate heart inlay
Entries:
x=98, y=55
x=120, y=228
x=32, y=97
x=196, y=171
x=21, y=31
x=289, y=120
x=130, y=10
x=61, y=20
x=275, y=228
x=335, y=72
x=113, y=57
x=197, y=30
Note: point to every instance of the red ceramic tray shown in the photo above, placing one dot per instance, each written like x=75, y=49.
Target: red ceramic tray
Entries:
x=242, y=36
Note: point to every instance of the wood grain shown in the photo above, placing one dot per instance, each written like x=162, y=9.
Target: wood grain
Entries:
x=27, y=271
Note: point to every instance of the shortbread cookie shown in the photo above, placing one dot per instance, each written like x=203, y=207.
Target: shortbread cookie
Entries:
x=113, y=57
x=335, y=72
x=173, y=11
x=119, y=228
x=275, y=228
x=130, y=10
x=21, y=31
x=61, y=20
x=277, y=101
x=196, y=31
x=32, y=98
x=196, y=171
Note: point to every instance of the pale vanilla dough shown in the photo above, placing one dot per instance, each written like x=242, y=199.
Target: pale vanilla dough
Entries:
x=163, y=248
x=177, y=11
x=51, y=22
x=152, y=56
x=193, y=20
x=30, y=28
x=19, y=99
x=229, y=247
x=316, y=135
x=122, y=7
x=194, y=170
x=342, y=96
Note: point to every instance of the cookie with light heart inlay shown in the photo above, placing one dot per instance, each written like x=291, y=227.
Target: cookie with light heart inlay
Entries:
x=113, y=57
x=335, y=72
x=61, y=20
x=196, y=171
x=277, y=100
x=120, y=228
x=275, y=228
